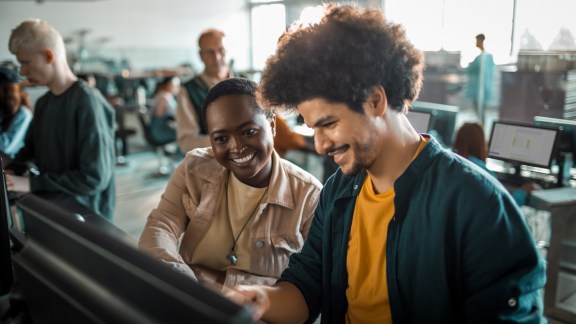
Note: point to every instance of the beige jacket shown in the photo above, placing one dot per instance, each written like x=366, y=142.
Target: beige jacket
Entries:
x=190, y=200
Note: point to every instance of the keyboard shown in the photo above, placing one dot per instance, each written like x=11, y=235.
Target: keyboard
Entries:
x=512, y=181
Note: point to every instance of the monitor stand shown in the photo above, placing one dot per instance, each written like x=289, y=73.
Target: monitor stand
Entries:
x=512, y=179
x=564, y=161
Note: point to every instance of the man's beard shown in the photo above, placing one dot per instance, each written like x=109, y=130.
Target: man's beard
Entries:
x=360, y=154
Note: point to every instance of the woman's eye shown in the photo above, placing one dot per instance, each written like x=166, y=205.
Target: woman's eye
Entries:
x=220, y=139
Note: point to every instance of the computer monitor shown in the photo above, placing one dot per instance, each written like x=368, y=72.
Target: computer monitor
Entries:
x=443, y=120
x=522, y=144
x=420, y=120
x=567, y=138
x=71, y=271
x=566, y=144
x=6, y=274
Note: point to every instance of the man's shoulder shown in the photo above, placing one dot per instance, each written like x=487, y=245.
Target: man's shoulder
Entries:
x=451, y=172
x=196, y=82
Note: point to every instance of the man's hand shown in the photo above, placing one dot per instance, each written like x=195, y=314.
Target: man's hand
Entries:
x=17, y=183
x=254, y=297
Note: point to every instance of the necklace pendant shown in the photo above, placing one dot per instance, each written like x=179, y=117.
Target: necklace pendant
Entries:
x=232, y=257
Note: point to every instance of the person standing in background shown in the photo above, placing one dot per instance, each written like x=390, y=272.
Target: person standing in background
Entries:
x=191, y=129
x=481, y=77
x=71, y=137
x=15, y=117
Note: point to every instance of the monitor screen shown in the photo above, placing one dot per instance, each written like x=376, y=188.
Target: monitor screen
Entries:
x=71, y=271
x=522, y=144
x=443, y=120
x=420, y=120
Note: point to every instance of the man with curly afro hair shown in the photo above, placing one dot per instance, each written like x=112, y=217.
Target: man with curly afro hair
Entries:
x=405, y=231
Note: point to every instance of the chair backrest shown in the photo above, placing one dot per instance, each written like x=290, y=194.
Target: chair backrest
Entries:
x=144, y=119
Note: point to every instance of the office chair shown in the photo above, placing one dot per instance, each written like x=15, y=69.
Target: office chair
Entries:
x=165, y=163
x=121, y=136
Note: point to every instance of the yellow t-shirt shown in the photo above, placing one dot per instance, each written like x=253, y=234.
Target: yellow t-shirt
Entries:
x=367, y=291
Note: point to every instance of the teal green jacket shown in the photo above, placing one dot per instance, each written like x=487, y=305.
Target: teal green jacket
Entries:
x=520, y=195
x=197, y=91
x=71, y=141
x=458, y=249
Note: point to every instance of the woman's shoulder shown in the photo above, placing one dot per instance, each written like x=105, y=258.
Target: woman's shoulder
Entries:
x=294, y=171
x=23, y=113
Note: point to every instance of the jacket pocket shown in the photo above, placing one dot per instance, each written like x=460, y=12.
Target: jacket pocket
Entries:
x=287, y=243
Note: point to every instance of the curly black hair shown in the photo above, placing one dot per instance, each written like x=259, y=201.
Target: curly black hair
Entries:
x=233, y=86
x=341, y=59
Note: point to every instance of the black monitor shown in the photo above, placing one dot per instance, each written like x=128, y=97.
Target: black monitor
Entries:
x=522, y=144
x=566, y=144
x=6, y=274
x=71, y=271
x=443, y=120
x=420, y=120
x=567, y=138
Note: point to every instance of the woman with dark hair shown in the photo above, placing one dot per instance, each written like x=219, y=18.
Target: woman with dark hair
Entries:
x=233, y=212
x=162, y=126
x=470, y=143
x=15, y=117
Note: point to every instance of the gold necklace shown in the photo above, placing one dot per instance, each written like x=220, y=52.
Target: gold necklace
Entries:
x=231, y=256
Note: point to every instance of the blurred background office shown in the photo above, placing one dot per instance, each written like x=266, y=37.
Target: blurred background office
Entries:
x=130, y=45
x=532, y=42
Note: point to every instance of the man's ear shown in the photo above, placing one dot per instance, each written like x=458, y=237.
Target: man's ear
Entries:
x=273, y=124
x=49, y=55
x=377, y=101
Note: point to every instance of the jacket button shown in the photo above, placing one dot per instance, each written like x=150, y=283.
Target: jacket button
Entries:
x=355, y=187
x=511, y=302
x=259, y=244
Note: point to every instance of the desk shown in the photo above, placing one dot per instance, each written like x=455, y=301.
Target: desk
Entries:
x=560, y=289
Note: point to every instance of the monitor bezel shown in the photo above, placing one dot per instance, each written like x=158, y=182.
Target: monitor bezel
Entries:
x=565, y=126
x=6, y=271
x=520, y=124
x=427, y=113
x=443, y=122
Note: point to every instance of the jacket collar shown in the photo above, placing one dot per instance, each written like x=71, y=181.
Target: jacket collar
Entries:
x=346, y=187
x=206, y=167
x=416, y=169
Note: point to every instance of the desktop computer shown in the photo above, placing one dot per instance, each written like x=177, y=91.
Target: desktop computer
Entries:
x=522, y=145
x=62, y=268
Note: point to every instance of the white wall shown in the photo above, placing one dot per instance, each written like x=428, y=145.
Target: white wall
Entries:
x=151, y=33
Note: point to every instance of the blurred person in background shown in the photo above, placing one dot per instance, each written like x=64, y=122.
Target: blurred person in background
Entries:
x=15, y=116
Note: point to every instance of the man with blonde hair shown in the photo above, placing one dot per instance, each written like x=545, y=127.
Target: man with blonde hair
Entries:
x=71, y=138
x=191, y=130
